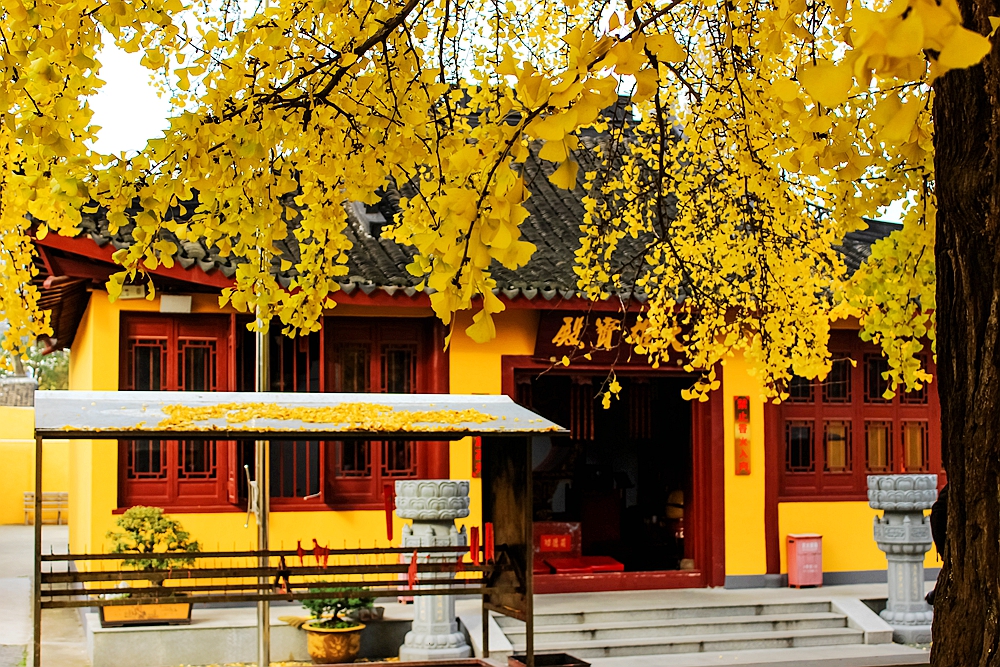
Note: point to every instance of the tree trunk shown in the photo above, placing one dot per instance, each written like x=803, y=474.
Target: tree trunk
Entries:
x=967, y=164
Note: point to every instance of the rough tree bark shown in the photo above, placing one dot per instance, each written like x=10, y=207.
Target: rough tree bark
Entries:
x=967, y=165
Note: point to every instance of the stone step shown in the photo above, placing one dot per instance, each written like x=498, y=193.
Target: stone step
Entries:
x=856, y=655
x=700, y=643
x=659, y=613
x=621, y=629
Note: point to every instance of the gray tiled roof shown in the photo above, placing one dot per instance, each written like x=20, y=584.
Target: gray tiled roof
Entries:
x=857, y=246
x=379, y=263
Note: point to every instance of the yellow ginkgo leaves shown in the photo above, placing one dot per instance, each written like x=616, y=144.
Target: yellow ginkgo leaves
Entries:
x=565, y=176
x=730, y=146
x=892, y=43
x=827, y=83
x=665, y=47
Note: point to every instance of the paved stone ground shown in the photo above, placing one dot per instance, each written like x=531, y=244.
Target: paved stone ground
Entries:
x=63, y=641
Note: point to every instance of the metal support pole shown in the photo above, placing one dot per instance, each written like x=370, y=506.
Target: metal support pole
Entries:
x=261, y=461
x=529, y=554
x=36, y=586
x=486, y=630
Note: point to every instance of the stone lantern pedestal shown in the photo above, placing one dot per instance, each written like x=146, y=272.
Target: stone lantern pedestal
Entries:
x=433, y=505
x=904, y=534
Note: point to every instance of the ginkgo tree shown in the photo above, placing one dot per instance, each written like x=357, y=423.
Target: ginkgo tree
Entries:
x=739, y=140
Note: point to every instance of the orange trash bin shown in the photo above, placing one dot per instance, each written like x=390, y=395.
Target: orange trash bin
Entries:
x=805, y=560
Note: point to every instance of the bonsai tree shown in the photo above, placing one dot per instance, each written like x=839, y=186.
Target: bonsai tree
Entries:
x=330, y=610
x=158, y=541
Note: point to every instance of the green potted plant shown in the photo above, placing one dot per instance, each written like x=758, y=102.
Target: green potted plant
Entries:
x=331, y=636
x=153, y=543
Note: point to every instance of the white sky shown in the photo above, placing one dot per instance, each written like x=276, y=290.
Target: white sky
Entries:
x=127, y=109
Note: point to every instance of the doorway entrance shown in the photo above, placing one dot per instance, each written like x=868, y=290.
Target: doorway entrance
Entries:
x=623, y=502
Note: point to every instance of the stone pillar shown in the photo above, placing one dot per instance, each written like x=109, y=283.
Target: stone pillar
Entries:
x=904, y=534
x=433, y=505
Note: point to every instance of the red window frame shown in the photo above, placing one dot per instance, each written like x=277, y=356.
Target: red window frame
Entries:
x=190, y=478
x=865, y=410
x=292, y=461
x=225, y=488
x=361, y=487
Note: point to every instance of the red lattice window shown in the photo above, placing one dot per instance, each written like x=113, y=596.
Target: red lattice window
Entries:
x=799, y=446
x=296, y=469
x=876, y=381
x=198, y=460
x=388, y=357
x=801, y=390
x=914, y=435
x=146, y=368
x=878, y=446
x=399, y=368
x=837, y=385
x=174, y=353
x=197, y=362
x=347, y=356
x=837, y=446
x=354, y=459
x=146, y=459
x=399, y=459
x=817, y=450
x=147, y=364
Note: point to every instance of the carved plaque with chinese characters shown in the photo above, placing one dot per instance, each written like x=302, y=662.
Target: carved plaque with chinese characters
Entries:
x=741, y=433
x=575, y=335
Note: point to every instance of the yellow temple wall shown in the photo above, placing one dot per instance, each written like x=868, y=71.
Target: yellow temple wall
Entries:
x=93, y=485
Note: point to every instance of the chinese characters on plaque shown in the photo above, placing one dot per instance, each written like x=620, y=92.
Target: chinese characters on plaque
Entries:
x=477, y=457
x=555, y=543
x=741, y=433
x=562, y=334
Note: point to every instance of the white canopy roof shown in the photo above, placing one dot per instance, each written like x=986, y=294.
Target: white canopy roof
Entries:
x=280, y=416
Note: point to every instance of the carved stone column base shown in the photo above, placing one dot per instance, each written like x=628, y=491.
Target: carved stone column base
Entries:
x=433, y=505
x=459, y=649
x=911, y=634
x=904, y=534
x=420, y=654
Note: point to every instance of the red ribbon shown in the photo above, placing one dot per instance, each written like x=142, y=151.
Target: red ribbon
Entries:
x=322, y=554
x=474, y=544
x=411, y=572
x=301, y=552
x=389, y=496
x=488, y=539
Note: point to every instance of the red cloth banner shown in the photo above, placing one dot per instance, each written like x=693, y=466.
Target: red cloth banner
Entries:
x=474, y=544
x=389, y=495
x=488, y=543
x=411, y=572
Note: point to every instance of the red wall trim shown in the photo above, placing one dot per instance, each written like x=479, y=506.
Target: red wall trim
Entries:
x=772, y=540
x=619, y=581
x=438, y=382
x=717, y=487
x=88, y=248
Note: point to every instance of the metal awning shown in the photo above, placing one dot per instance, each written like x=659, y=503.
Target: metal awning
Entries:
x=280, y=416
x=508, y=432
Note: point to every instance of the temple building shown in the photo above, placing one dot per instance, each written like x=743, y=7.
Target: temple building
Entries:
x=654, y=492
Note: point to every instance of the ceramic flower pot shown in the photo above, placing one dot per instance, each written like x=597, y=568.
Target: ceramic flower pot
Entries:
x=329, y=646
x=173, y=613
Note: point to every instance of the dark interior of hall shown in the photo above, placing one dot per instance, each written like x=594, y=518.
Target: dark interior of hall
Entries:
x=624, y=474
